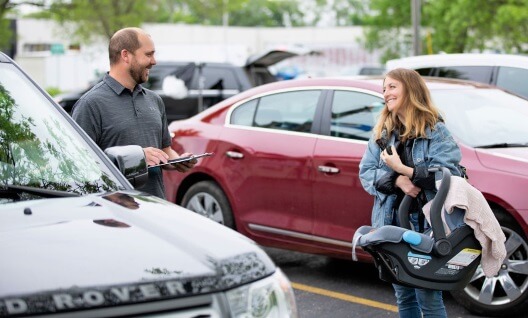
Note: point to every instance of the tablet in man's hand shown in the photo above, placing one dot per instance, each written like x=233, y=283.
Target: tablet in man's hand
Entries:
x=183, y=159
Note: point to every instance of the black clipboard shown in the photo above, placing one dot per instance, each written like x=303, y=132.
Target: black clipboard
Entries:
x=183, y=159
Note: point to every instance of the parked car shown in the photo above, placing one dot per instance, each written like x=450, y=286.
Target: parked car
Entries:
x=507, y=71
x=202, y=84
x=286, y=164
x=77, y=240
x=363, y=69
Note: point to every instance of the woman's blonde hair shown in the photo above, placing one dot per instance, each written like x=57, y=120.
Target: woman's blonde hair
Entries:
x=418, y=107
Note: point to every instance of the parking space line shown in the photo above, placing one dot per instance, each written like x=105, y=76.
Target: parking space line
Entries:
x=345, y=297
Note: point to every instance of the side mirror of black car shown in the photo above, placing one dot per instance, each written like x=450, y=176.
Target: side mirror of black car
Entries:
x=130, y=160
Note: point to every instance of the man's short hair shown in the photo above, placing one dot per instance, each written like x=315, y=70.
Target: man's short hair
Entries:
x=124, y=39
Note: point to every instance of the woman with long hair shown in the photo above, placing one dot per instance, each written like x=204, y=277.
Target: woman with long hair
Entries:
x=409, y=138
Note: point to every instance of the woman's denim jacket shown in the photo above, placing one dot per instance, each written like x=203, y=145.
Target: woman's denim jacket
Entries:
x=437, y=149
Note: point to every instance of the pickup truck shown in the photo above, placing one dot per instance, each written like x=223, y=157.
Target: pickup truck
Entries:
x=202, y=84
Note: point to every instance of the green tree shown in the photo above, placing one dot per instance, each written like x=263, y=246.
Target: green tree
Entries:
x=86, y=21
x=346, y=11
x=205, y=12
x=453, y=32
x=267, y=13
x=5, y=33
x=10, y=6
x=510, y=23
x=387, y=26
x=451, y=26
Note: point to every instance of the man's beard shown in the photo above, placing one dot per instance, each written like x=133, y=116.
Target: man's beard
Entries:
x=136, y=72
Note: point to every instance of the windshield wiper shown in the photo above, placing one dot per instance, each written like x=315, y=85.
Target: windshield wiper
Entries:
x=503, y=145
x=46, y=193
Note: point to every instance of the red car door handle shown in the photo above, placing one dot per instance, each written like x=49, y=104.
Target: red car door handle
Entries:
x=326, y=169
x=234, y=155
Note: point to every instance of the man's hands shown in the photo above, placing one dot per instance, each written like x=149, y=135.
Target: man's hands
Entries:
x=156, y=156
x=183, y=166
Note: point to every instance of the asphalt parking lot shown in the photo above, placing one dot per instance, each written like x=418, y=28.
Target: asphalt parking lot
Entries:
x=327, y=287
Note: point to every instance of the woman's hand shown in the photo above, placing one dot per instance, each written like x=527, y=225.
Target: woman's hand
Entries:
x=406, y=185
x=393, y=161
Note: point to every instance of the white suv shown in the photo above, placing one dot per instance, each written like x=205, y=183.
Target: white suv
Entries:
x=507, y=71
x=77, y=240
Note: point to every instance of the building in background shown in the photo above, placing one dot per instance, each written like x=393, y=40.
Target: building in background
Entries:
x=44, y=51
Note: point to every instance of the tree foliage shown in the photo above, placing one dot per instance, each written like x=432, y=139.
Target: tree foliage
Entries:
x=205, y=12
x=86, y=21
x=6, y=7
x=446, y=25
x=454, y=32
x=5, y=33
x=345, y=11
x=452, y=26
x=510, y=23
x=387, y=24
x=267, y=13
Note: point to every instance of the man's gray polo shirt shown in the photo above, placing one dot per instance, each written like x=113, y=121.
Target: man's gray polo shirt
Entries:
x=112, y=115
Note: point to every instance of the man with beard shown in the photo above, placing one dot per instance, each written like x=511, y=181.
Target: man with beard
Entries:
x=118, y=111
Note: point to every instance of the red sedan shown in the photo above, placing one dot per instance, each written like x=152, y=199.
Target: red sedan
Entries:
x=285, y=169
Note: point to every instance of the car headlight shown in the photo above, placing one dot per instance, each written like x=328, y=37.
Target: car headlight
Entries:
x=271, y=297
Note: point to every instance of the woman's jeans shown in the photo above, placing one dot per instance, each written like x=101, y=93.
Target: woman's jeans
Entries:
x=413, y=302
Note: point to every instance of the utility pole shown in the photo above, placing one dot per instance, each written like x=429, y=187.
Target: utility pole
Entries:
x=416, y=12
x=225, y=25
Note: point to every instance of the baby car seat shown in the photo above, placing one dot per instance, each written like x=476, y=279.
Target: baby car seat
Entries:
x=429, y=260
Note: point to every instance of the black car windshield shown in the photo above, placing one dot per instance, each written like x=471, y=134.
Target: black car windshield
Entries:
x=39, y=148
x=487, y=118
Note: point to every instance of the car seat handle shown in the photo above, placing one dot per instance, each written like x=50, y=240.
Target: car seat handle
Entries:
x=437, y=205
x=436, y=212
x=403, y=212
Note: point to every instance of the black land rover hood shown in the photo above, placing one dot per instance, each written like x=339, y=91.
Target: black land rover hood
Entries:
x=140, y=248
